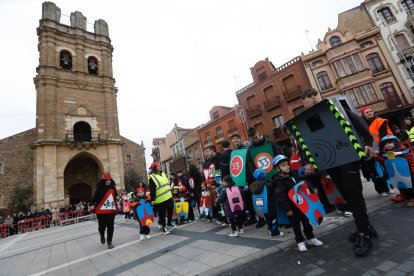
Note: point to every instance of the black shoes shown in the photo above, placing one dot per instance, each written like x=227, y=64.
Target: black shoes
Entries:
x=372, y=234
x=260, y=223
x=362, y=245
x=250, y=222
x=103, y=240
x=110, y=245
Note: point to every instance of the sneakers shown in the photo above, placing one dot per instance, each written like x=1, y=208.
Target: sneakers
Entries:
x=384, y=194
x=390, y=192
x=142, y=237
x=224, y=224
x=165, y=230
x=315, y=242
x=103, y=240
x=362, y=245
x=110, y=245
x=399, y=198
x=148, y=237
x=260, y=223
x=344, y=213
x=281, y=234
x=159, y=226
x=302, y=247
x=410, y=203
x=234, y=234
x=241, y=231
x=218, y=222
x=208, y=220
x=172, y=224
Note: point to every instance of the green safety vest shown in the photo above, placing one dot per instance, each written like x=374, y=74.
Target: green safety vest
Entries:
x=163, y=192
x=411, y=134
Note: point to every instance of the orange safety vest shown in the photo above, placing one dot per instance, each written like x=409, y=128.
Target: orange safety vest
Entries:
x=375, y=126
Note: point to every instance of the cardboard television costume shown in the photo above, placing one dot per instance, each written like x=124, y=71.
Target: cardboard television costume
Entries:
x=260, y=203
x=326, y=135
x=398, y=169
x=145, y=213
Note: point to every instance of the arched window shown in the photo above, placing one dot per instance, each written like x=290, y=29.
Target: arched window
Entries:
x=323, y=80
x=387, y=15
x=65, y=58
x=335, y=41
x=374, y=63
x=82, y=132
x=93, y=65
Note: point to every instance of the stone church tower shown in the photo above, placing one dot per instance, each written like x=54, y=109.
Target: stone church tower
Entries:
x=77, y=131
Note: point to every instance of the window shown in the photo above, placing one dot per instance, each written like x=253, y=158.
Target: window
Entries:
x=387, y=15
x=268, y=93
x=65, y=58
x=93, y=65
x=261, y=74
x=208, y=137
x=298, y=110
x=367, y=44
x=219, y=132
x=323, y=80
x=1, y=168
x=251, y=102
x=259, y=127
x=290, y=84
x=128, y=158
x=408, y=6
x=82, y=132
x=335, y=41
x=402, y=42
x=278, y=121
x=348, y=66
x=362, y=95
x=232, y=126
x=374, y=63
x=216, y=115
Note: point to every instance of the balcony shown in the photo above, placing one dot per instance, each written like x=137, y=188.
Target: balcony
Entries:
x=254, y=111
x=354, y=78
x=293, y=93
x=218, y=138
x=272, y=103
x=82, y=138
x=409, y=52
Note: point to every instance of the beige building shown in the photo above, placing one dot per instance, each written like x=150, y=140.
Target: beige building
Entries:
x=76, y=137
x=353, y=60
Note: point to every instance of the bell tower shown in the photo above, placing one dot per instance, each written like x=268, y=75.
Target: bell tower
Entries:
x=76, y=109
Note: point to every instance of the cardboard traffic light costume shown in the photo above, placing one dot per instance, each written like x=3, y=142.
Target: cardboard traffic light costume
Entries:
x=326, y=135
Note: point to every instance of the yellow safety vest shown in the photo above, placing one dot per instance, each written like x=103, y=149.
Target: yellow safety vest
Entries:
x=163, y=192
x=411, y=134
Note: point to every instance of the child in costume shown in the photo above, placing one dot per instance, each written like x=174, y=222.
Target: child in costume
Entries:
x=236, y=218
x=390, y=143
x=206, y=203
x=176, y=198
x=257, y=187
x=144, y=230
x=283, y=182
x=126, y=207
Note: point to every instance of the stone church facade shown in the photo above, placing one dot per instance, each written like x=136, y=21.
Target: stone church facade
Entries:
x=76, y=137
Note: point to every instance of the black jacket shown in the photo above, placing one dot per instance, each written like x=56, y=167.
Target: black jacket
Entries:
x=225, y=162
x=282, y=186
x=101, y=189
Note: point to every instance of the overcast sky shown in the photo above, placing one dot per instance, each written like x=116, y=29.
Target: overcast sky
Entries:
x=172, y=60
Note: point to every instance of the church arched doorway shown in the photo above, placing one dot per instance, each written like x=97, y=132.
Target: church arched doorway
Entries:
x=80, y=177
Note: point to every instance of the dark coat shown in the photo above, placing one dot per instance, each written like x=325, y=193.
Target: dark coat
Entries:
x=101, y=189
x=225, y=162
x=283, y=184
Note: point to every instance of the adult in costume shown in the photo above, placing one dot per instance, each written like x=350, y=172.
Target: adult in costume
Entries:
x=161, y=195
x=105, y=207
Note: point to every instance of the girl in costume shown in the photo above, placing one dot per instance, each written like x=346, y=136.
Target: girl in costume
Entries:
x=105, y=207
x=284, y=181
x=236, y=218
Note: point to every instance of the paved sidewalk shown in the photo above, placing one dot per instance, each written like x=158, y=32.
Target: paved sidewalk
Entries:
x=191, y=249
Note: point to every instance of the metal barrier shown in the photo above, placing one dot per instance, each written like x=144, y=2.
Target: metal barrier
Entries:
x=4, y=230
x=33, y=224
x=77, y=219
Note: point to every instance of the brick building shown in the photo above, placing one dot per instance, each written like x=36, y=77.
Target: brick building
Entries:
x=274, y=96
x=76, y=137
x=353, y=60
x=222, y=124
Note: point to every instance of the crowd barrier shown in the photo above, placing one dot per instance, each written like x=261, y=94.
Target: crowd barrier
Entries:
x=33, y=224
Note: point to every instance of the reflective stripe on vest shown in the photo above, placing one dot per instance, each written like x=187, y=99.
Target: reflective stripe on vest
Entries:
x=375, y=126
x=411, y=134
x=163, y=191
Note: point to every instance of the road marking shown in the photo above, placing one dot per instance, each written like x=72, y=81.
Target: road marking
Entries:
x=97, y=254
x=18, y=238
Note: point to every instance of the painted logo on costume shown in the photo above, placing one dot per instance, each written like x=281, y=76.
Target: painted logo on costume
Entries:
x=264, y=161
x=211, y=170
x=236, y=165
x=191, y=182
x=109, y=203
